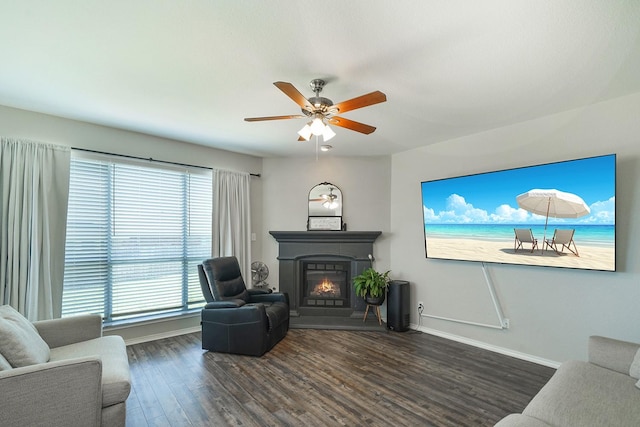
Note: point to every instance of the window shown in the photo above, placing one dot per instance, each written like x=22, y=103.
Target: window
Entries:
x=135, y=234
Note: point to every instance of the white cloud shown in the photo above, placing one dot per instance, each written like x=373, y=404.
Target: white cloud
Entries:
x=509, y=215
x=602, y=212
x=457, y=204
x=429, y=215
x=458, y=211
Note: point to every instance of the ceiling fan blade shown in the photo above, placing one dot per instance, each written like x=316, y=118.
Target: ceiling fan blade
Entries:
x=361, y=101
x=261, y=119
x=350, y=124
x=293, y=93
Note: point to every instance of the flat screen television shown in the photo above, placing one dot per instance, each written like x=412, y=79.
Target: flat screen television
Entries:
x=555, y=215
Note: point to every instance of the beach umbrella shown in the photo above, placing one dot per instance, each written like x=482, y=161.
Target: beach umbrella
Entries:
x=552, y=203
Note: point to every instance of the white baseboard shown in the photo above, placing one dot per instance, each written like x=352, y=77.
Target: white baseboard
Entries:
x=501, y=350
x=162, y=335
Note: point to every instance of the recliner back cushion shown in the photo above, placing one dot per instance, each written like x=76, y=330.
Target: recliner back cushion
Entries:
x=20, y=343
x=225, y=278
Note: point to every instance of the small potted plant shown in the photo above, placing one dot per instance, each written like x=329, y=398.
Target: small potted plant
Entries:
x=371, y=285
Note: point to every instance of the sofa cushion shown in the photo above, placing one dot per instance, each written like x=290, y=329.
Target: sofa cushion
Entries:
x=20, y=343
x=634, y=369
x=583, y=394
x=4, y=364
x=116, y=382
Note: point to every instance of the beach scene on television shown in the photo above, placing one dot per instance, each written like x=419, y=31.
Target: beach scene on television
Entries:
x=556, y=215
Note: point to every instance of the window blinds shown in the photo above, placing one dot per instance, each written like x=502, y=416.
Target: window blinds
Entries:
x=135, y=234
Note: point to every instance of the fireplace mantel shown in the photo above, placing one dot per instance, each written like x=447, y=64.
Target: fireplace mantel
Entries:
x=299, y=247
x=357, y=245
x=325, y=236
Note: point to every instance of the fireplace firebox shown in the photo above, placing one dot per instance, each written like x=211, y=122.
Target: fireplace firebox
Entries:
x=325, y=284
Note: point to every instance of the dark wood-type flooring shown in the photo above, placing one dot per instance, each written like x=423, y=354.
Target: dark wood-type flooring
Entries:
x=329, y=378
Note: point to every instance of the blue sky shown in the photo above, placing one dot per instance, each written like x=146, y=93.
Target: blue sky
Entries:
x=491, y=197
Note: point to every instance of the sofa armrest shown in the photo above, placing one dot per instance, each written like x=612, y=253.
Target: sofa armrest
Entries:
x=62, y=393
x=69, y=330
x=519, y=420
x=612, y=354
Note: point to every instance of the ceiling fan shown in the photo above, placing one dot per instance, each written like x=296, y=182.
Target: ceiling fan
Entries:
x=319, y=109
x=328, y=200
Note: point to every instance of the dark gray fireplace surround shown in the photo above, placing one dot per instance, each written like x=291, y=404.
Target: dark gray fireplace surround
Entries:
x=324, y=248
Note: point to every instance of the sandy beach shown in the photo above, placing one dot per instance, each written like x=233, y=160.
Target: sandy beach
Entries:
x=591, y=257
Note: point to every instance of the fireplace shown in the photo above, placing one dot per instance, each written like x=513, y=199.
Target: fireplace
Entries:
x=316, y=268
x=325, y=284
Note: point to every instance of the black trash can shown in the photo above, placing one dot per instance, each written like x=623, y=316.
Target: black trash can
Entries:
x=398, y=306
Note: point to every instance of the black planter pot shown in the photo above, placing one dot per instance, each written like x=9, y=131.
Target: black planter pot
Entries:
x=374, y=300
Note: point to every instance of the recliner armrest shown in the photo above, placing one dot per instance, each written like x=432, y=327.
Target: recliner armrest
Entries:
x=62, y=393
x=255, y=291
x=232, y=303
x=236, y=315
x=273, y=297
x=69, y=330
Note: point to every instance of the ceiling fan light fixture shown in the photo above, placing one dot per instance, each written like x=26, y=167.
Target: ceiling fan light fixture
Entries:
x=305, y=132
x=326, y=147
x=327, y=134
x=317, y=125
x=330, y=204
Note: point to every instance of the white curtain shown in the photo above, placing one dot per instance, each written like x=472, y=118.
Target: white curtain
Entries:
x=34, y=188
x=232, y=218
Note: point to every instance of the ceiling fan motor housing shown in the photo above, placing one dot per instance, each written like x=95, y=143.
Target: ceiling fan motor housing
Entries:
x=320, y=105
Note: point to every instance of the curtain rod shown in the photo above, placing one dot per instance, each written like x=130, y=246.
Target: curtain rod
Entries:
x=150, y=159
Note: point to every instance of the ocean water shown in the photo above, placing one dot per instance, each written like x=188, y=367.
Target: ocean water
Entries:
x=592, y=235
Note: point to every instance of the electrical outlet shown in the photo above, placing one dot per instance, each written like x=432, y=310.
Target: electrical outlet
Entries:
x=420, y=307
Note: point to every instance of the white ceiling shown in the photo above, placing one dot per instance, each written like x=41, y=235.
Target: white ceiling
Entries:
x=192, y=70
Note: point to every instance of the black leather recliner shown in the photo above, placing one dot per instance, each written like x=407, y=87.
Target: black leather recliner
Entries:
x=236, y=319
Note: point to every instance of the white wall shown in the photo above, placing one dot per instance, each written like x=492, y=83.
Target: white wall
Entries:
x=41, y=127
x=552, y=311
x=365, y=185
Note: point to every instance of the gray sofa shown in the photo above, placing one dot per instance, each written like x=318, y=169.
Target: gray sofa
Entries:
x=605, y=391
x=84, y=382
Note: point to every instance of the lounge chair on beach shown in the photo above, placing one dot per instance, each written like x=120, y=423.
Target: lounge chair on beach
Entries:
x=564, y=238
x=524, y=235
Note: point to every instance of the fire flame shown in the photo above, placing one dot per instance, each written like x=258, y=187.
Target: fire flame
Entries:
x=326, y=287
